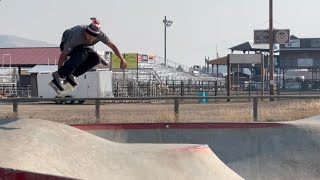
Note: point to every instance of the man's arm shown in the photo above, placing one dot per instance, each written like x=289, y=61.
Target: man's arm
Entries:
x=63, y=57
x=123, y=63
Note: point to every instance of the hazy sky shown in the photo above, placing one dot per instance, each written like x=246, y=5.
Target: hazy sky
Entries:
x=136, y=25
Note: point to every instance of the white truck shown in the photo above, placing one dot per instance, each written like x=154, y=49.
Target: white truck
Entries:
x=92, y=84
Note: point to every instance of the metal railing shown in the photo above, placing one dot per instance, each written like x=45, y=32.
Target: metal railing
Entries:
x=177, y=99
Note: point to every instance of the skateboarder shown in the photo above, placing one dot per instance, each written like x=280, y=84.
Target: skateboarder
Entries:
x=77, y=57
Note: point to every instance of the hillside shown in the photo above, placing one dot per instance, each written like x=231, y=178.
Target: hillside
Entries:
x=9, y=41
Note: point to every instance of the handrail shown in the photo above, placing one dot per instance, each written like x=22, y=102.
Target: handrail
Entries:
x=15, y=101
x=35, y=99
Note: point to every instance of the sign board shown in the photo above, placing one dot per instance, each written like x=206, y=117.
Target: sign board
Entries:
x=245, y=58
x=261, y=36
x=115, y=60
x=280, y=36
x=151, y=59
x=144, y=58
x=139, y=58
x=131, y=58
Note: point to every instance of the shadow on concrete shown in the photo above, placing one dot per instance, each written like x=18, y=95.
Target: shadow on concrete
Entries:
x=7, y=120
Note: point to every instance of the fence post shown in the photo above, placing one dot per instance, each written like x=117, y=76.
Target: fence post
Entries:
x=176, y=110
x=97, y=110
x=215, y=88
x=255, y=109
x=15, y=108
x=182, y=88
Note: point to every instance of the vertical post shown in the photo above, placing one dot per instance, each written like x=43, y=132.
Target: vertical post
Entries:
x=284, y=79
x=148, y=88
x=238, y=79
x=207, y=65
x=249, y=89
x=97, y=110
x=255, y=109
x=262, y=76
x=15, y=108
x=215, y=88
x=217, y=70
x=173, y=87
x=229, y=77
x=212, y=70
x=165, y=44
x=166, y=24
x=176, y=110
x=182, y=88
x=110, y=64
x=271, y=68
x=137, y=68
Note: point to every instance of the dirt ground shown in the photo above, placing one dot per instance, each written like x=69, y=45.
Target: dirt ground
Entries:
x=191, y=111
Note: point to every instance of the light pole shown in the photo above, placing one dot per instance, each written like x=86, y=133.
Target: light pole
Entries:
x=167, y=23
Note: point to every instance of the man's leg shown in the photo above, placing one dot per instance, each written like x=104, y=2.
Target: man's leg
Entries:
x=92, y=60
x=77, y=56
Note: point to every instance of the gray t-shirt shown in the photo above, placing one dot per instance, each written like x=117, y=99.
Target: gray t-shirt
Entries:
x=74, y=37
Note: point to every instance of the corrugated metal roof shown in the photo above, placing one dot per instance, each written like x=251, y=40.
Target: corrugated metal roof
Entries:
x=219, y=61
x=43, y=68
x=29, y=56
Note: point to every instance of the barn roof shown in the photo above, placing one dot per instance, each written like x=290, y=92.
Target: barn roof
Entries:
x=29, y=57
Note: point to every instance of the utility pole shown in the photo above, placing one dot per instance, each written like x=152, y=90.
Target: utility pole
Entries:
x=271, y=68
x=165, y=41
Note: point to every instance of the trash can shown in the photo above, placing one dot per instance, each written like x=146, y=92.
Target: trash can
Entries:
x=203, y=94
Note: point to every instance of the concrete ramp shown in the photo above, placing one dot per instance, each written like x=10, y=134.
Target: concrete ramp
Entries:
x=256, y=151
x=47, y=148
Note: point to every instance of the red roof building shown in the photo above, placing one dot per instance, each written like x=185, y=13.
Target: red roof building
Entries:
x=29, y=57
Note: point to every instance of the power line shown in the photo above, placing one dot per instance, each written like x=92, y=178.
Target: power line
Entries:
x=280, y=24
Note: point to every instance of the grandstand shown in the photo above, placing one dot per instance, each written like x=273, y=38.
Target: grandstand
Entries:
x=152, y=78
x=156, y=71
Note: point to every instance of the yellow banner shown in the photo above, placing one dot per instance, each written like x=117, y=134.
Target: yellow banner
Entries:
x=131, y=58
x=115, y=61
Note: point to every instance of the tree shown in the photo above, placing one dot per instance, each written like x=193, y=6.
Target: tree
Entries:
x=179, y=68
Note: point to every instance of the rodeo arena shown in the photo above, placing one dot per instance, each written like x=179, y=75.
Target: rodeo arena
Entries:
x=226, y=117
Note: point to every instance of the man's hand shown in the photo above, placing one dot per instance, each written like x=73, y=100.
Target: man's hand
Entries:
x=123, y=64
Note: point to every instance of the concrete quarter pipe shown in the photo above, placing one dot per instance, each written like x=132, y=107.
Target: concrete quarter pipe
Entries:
x=257, y=151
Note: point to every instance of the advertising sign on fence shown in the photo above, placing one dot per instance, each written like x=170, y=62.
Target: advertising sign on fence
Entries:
x=131, y=58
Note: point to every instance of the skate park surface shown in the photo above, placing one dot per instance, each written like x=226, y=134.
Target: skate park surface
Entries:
x=38, y=148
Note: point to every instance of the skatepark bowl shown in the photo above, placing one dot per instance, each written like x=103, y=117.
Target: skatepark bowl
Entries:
x=40, y=149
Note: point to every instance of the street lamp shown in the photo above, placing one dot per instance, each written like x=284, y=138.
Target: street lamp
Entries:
x=167, y=23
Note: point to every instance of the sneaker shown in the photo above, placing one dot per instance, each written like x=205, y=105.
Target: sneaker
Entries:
x=72, y=80
x=57, y=80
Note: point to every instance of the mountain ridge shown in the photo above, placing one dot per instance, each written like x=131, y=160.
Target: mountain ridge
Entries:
x=12, y=41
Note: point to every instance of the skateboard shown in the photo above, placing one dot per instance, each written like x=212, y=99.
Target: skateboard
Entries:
x=66, y=86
